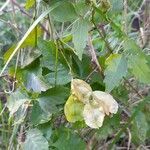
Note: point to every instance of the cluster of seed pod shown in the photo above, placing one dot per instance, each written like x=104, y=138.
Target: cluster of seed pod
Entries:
x=90, y=106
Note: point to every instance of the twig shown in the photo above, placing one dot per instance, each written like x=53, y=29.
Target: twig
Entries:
x=125, y=111
x=3, y=109
x=11, y=25
x=129, y=141
x=93, y=55
x=13, y=13
x=91, y=73
x=102, y=34
x=28, y=15
x=125, y=4
x=3, y=76
x=61, y=47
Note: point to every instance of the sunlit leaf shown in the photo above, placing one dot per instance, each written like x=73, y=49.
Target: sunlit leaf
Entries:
x=29, y=41
x=30, y=4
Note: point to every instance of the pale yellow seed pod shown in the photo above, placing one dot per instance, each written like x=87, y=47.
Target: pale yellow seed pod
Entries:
x=81, y=90
x=93, y=116
x=106, y=101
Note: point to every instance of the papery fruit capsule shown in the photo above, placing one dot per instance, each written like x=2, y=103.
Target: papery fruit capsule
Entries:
x=73, y=109
x=93, y=116
x=81, y=90
x=106, y=101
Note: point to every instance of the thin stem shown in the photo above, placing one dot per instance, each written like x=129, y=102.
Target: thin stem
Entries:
x=91, y=73
x=4, y=6
x=61, y=47
x=35, y=16
x=93, y=55
x=125, y=4
x=56, y=65
x=130, y=137
x=102, y=34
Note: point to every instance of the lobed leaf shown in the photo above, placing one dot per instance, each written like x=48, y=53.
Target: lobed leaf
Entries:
x=116, y=69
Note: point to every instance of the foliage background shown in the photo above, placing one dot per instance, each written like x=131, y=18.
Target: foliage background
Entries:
x=90, y=40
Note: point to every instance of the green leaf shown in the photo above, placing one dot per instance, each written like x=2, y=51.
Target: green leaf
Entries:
x=81, y=8
x=115, y=71
x=33, y=36
x=35, y=141
x=48, y=49
x=131, y=47
x=20, y=114
x=49, y=100
x=32, y=78
x=29, y=56
x=63, y=77
x=8, y=53
x=30, y=4
x=139, y=128
x=39, y=116
x=15, y=101
x=109, y=126
x=36, y=83
x=46, y=129
x=68, y=141
x=139, y=67
x=122, y=94
x=117, y=6
x=73, y=109
x=80, y=36
x=64, y=12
